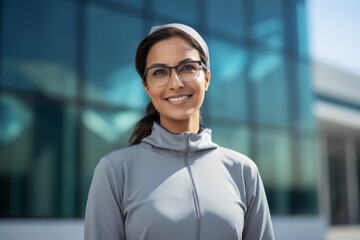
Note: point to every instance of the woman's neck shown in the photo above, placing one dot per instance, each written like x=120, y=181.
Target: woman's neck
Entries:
x=181, y=126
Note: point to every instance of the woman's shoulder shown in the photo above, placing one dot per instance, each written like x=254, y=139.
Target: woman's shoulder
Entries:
x=238, y=159
x=120, y=156
x=123, y=152
x=240, y=166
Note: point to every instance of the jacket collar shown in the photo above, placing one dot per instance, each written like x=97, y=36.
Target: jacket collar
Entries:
x=161, y=138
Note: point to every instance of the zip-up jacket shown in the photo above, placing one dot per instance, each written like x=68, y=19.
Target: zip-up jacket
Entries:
x=177, y=187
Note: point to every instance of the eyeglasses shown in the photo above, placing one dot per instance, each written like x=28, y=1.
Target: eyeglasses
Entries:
x=159, y=74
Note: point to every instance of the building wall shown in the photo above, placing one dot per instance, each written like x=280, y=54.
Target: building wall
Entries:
x=69, y=94
x=337, y=110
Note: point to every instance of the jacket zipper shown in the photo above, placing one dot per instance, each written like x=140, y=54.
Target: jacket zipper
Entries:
x=194, y=191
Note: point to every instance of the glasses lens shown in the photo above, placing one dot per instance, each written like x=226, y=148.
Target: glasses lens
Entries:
x=188, y=71
x=159, y=76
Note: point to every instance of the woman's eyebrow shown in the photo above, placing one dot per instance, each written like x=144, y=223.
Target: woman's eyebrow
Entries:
x=188, y=60
x=165, y=65
x=158, y=65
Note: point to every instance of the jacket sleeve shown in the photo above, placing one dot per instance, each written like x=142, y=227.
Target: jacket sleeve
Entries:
x=104, y=217
x=257, y=223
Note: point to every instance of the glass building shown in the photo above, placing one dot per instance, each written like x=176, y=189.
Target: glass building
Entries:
x=69, y=94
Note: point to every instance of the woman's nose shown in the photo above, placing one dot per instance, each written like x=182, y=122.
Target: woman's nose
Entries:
x=175, y=81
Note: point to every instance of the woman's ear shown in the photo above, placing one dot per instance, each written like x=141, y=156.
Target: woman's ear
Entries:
x=207, y=79
x=145, y=86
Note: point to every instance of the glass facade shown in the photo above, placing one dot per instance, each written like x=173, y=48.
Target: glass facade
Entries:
x=69, y=94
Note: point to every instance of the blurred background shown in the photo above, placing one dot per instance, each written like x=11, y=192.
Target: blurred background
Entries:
x=285, y=91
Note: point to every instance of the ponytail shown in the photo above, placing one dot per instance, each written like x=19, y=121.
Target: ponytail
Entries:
x=144, y=126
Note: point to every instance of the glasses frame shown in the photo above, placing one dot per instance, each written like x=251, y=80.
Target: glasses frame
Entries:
x=172, y=67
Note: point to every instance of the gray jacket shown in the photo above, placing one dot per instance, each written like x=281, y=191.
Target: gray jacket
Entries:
x=177, y=187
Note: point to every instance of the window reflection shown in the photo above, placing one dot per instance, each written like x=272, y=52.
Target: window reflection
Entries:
x=15, y=117
x=227, y=80
x=231, y=22
x=268, y=79
x=273, y=161
x=49, y=78
x=185, y=11
x=268, y=32
x=111, y=127
x=38, y=46
x=110, y=73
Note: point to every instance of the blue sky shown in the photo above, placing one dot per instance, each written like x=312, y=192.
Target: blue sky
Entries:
x=334, y=33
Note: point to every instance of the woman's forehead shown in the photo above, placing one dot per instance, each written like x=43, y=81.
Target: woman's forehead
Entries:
x=171, y=50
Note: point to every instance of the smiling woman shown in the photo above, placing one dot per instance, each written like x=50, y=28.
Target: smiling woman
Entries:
x=177, y=101
x=173, y=182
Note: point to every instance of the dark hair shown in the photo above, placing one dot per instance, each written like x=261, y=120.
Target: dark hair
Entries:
x=144, y=126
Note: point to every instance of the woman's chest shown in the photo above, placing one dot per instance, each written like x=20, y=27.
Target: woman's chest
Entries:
x=183, y=202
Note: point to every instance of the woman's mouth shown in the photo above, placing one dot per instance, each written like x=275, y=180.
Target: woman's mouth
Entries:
x=179, y=99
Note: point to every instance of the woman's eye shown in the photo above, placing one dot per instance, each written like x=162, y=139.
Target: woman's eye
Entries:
x=160, y=72
x=187, y=68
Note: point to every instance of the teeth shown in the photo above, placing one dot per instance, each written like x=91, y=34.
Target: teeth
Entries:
x=178, y=98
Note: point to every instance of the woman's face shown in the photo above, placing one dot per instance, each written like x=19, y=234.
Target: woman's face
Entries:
x=177, y=102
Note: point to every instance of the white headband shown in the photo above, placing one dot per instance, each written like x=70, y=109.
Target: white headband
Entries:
x=194, y=34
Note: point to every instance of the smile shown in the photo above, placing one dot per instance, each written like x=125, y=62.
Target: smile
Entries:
x=178, y=99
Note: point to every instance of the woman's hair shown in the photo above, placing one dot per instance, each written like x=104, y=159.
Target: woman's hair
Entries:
x=144, y=126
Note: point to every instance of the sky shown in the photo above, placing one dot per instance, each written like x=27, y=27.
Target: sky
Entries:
x=334, y=33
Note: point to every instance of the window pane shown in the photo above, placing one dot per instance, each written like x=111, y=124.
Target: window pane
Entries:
x=110, y=72
x=37, y=153
x=267, y=78
x=231, y=134
x=135, y=3
x=306, y=120
x=304, y=176
x=226, y=16
x=185, y=11
x=273, y=160
x=16, y=121
x=38, y=41
x=302, y=30
x=227, y=90
x=267, y=23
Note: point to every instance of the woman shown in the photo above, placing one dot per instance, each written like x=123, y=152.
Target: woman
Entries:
x=173, y=182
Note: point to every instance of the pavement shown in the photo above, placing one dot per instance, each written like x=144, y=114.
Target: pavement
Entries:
x=343, y=233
